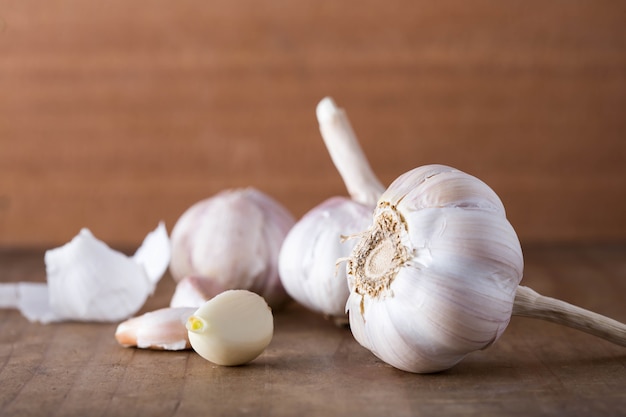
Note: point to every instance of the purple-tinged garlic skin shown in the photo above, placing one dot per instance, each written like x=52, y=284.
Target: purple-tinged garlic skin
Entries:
x=233, y=239
x=308, y=262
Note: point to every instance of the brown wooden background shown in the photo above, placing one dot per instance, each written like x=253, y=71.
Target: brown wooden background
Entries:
x=115, y=115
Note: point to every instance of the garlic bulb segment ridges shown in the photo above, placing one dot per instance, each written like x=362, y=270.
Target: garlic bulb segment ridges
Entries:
x=163, y=329
x=231, y=329
x=233, y=239
x=309, y=255
x=435, y=276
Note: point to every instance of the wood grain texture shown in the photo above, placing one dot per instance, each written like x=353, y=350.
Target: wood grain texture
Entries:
x=312, y=368
x=116, y=115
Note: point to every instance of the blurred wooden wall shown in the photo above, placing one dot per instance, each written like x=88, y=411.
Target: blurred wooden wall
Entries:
x=117, y=114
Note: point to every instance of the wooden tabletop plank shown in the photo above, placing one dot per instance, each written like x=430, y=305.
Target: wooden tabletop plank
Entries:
x=313, y=368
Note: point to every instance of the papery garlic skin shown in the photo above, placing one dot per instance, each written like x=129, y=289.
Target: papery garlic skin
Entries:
x=162, y=329
x=436, y=275
x=233, y=238
x=308, y=258
x=231, y=329
x=89, y=281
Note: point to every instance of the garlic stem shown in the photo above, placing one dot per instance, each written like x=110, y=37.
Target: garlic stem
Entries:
x=529, y=303
x=346, y=153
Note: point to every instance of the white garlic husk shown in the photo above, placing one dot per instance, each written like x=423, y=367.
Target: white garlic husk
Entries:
x=233, y=239
x=308, y=257
x=89, y=281
x=231, y=329
x=435, y=277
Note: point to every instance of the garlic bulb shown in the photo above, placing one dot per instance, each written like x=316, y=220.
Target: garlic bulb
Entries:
x=233, y=328
x=436, y=275
x=233, y=239
x=162, y=329
x=307, y=261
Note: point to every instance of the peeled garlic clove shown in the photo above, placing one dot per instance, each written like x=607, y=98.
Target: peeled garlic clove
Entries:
x=232, y=328
x=162, y=329
x=435, y=277
x=195, y=291
x=233, y=239
x=308, y=258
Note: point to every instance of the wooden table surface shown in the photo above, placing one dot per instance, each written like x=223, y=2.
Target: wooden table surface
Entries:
x=313, y=368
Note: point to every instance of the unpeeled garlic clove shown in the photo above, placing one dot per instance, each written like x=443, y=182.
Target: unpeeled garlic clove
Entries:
x=233, y=239
x=162, y=329
x=308, y=257
x=231, y=329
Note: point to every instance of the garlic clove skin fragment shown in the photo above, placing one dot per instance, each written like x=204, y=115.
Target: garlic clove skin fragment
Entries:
x=233, y=239
x=231, y=329
x=162, y=329
x=308, y=258
x=436, y=275
x=89, y=281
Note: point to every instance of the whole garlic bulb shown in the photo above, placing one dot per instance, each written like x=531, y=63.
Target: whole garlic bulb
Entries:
x=232, y=240
x=436, y=275
x=307, y=261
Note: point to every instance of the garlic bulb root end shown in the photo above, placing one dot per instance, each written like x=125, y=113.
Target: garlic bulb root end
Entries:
x=377, y=258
